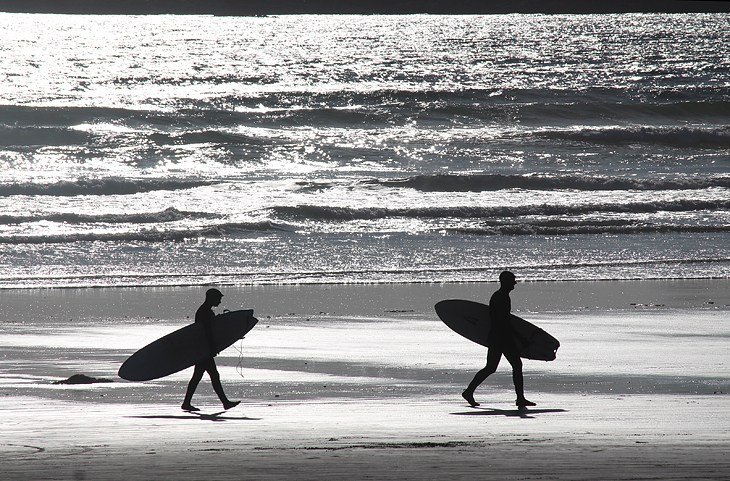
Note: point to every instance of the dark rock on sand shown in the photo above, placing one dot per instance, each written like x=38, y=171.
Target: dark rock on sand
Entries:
x=82, y=379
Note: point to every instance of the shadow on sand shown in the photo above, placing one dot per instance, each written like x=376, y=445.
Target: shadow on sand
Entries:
x=217, y=417
x=520, y=413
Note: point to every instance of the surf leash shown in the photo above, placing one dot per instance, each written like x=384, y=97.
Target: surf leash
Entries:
x=239, y=349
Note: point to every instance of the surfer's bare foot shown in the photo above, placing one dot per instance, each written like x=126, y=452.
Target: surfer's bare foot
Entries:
x=189, y=407
x=230, y=404
x=469, y=398
x=523, y=403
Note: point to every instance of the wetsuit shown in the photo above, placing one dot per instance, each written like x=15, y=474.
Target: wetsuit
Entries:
x=501, y=342
x=205, y=315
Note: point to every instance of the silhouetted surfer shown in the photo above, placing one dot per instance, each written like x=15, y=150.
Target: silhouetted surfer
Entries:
x=502, y=341
x=205, y=316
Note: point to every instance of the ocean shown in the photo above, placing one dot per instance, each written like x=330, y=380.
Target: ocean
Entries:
x=190, y=150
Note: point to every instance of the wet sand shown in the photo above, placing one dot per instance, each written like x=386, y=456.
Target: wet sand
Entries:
x=363, y=382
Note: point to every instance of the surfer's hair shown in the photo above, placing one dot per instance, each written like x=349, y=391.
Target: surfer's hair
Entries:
x=506, y=276
x=213, y=294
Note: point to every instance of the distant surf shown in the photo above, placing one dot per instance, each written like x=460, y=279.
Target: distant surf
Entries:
x=492, y=182
x=97, y=186
x=184, y=150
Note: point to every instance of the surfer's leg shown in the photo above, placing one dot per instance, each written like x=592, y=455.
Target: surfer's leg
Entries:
x=215, y=379
x=517, y=379
x=494, y=354
x=514, y=359
x=192, y=386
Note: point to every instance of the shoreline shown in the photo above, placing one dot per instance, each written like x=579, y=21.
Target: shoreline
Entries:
x=338, y=283
x=529, y=297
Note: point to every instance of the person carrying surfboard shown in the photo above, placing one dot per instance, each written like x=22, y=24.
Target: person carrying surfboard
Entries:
x=205, y=316
x=502, y=341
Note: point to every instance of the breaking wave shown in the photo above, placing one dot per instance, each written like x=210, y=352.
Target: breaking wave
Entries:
x=25, y=137
x=168, y=215
x=486, y=182
x=599, y=228
x=684, y=137
x=106, y=186
x=146, y=235
x=328, y=213
x=207, y=137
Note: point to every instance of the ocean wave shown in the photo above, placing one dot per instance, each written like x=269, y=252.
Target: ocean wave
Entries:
x=410, y=93
x=490, y=103
x=23, y=137
x=535, y=271
x=147, y=235
x=59, y=125
x=331, y=213
x=487, y=182
x=168, y=215
x=207, y=137
x=54, y=125
x=12, y=116
x=194, y=80
x=547, y=112
x=684, y=137
x=622, y=229
x=105, y=186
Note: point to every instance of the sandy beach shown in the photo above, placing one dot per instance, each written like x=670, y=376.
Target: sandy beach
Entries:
x=363, y=382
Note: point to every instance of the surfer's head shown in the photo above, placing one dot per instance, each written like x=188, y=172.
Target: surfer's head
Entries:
x=507, y=280
x=213, y=296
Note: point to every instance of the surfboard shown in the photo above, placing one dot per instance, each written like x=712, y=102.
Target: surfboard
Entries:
x=471, y=320
x=183, y=348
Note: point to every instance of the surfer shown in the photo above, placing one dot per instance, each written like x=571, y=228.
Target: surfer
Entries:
x=502, y=341
x=205, y=316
